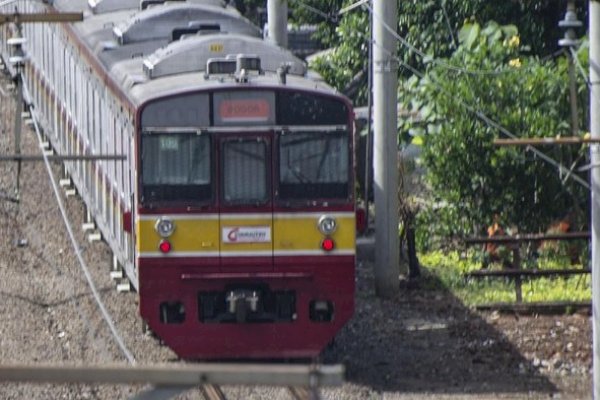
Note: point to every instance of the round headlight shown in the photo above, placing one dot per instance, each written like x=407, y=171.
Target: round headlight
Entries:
x=327, y=225
x=165, y=227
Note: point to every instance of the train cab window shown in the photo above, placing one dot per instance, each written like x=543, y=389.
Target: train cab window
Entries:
x=176, y=167
x=313, y=165
x=245, y=171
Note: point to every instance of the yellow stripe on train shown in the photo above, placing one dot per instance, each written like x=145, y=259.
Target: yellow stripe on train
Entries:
x=190, y=235
x=232, y=234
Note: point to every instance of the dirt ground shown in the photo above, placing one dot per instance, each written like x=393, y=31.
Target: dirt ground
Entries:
x=426, y=344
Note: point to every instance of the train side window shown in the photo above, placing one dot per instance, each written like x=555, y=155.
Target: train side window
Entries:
x=314, y=165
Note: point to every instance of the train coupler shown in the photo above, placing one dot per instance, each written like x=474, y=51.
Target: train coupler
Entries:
x=240, y=302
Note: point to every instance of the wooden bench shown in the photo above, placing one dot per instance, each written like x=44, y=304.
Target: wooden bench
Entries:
x=516, y=272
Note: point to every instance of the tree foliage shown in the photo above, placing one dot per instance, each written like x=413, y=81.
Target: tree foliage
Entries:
x=526, y=95
x=428, y=25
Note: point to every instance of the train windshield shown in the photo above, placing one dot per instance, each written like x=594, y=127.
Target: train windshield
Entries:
x=313, y=165
x=176, y=167
x=245, y=171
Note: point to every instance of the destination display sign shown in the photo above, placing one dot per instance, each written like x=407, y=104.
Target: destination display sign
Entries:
x=257, y=110
x=248, y=108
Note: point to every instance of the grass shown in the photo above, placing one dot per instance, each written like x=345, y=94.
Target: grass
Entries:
x=449, y=269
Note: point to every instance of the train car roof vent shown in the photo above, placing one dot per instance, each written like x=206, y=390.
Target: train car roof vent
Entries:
x=159, y=22
x=106, y=6
x=212, y=53
x=245, y=65
x=220, y=66
x=149, y=3
x=195, y=28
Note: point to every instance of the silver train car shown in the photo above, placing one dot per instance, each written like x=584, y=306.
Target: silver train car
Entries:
x=233, y=215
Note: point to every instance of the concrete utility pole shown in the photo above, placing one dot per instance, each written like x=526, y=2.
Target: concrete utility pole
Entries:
x=595, y=178
x=385, y=147
x=277, y=14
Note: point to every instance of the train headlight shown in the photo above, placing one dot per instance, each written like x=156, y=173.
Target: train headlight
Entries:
x=165, y=227
x=327, y=225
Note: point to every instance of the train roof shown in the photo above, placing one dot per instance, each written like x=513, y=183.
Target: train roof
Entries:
x=166, y=49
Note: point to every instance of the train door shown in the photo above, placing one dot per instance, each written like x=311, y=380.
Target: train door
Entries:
x=245, y=202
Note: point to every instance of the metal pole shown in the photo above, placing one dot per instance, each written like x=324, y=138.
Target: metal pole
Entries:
x=41, y=17
x=277, y=11
x=385, y=151
x=595, y=178
x=369, y=139
x=569, y=24
x=18, y=126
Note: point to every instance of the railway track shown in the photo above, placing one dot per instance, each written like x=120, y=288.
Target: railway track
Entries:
x=212, y=392
x=303, y=393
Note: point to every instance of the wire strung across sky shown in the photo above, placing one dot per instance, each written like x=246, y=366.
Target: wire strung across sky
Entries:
x=489, y=121
x=568, y=172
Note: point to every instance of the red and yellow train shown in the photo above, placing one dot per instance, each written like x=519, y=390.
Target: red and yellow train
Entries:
x=234, y=213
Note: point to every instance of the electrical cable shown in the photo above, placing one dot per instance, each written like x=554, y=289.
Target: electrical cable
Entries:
x=437, y=61
x=313, y=9
x=583, y=74
x=352, y=7
x=488, y=121
x=447, y=19
x=484, y=118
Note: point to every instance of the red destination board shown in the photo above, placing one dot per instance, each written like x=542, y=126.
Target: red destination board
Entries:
x=244, y=110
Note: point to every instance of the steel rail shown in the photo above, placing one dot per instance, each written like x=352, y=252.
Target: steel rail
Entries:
x=212, y=392
x=303, y=393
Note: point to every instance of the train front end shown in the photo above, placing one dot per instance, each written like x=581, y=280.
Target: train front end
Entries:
x=245, y=226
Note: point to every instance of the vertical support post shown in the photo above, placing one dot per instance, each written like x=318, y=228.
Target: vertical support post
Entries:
x=369, y=139
x=573, y=97
x=277, y=13
x=594, y=35
x=18, y=59
x=18, y=125
x=569, y=24
x=517, y=266
x=385, y=151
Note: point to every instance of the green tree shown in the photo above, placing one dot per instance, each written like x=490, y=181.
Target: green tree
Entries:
x=430, y=26
x=527, y=95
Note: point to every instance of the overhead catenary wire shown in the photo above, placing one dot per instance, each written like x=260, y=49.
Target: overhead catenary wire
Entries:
x=120, y=342
x=313, y=9
x=426, y=58
x=483, y=117
x=429, y=59
x=480, y=115
x=579, y=66
x=352, y=6
x=583, y=74
x=447, y=19
x=493, y=124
